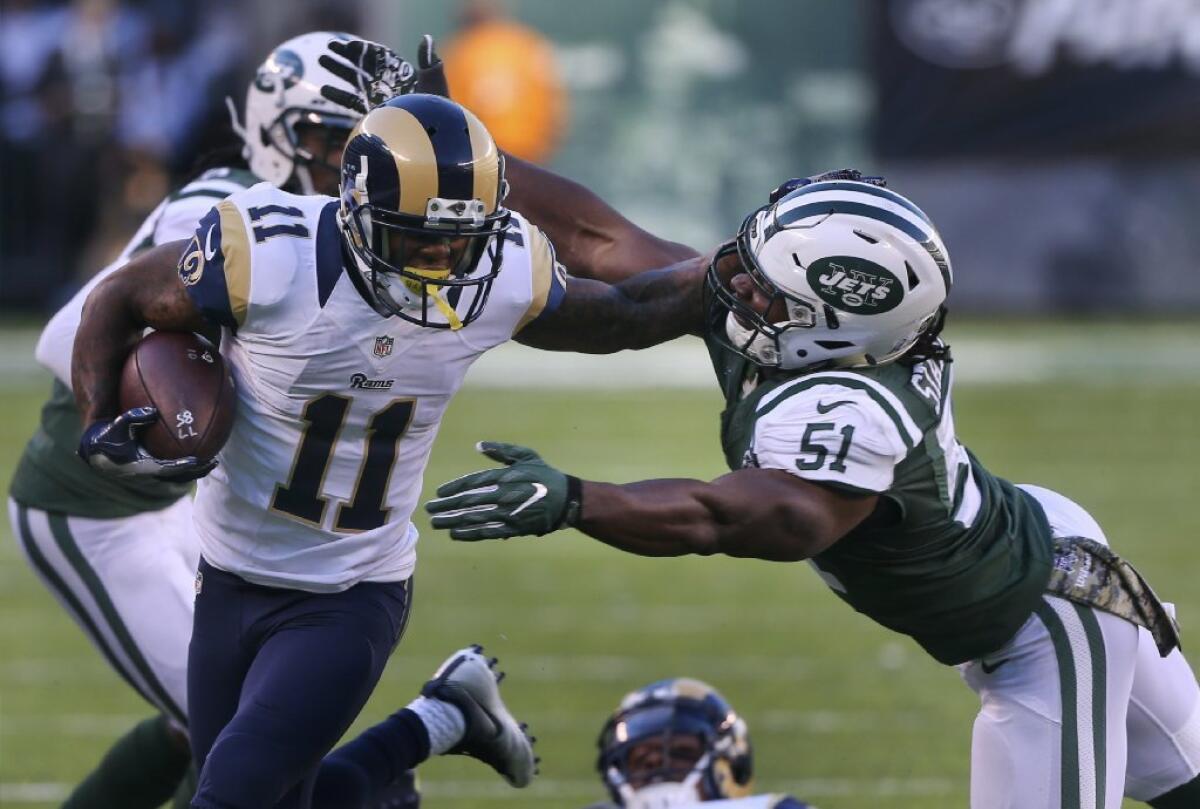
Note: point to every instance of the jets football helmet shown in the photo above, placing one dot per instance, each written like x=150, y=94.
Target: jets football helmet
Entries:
x=854, y=274
x=675, y=743
x=284, y=97
x=421, y=212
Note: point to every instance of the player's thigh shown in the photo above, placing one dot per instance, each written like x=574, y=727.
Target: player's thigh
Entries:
x=125, y=584
x=1050, y=732
x=221, y=651
x=1066, y=517
x=1163, y=724
x=307, y=683
x=148, y=566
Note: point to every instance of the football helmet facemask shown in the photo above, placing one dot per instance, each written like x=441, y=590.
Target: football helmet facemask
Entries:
x=854, y=274
x=421, y=213
x=282, y=101
x=674, y=743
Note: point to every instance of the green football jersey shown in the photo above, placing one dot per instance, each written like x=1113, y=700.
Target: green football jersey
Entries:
x=50, y=476
x=965, y=560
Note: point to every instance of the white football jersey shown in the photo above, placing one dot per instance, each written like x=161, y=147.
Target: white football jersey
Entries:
x=172, y=219
x=338, y=406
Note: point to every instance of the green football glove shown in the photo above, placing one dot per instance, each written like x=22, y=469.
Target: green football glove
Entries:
x=525, y=497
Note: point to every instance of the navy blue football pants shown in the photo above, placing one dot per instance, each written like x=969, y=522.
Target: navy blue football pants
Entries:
x=275, y=677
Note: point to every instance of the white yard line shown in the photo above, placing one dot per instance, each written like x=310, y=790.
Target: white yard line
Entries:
x=1094, y=353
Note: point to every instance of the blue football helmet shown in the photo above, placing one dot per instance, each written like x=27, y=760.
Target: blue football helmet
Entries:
x=672, y=743
x=421, y=212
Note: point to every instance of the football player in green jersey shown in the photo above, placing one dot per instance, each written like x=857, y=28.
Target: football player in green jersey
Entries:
x=824, y=331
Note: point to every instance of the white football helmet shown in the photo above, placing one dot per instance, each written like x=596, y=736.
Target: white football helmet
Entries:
x=860, y=270
x=286, y=92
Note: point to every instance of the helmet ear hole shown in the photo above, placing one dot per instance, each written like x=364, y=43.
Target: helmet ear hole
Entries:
x=913, y=280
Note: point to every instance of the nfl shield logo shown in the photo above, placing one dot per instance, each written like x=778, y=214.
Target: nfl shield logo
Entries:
x=383, y=346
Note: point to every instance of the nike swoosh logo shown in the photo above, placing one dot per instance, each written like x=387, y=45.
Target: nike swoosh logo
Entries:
x=988, y=669
x=539, y=491
x=208, y=251
x=823, y=408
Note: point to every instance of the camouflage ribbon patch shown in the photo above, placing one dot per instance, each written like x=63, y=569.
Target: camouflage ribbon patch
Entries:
x=1089, y=573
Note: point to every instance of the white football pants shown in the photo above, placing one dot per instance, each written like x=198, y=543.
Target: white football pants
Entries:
x=130, y=585
x=1078, y=708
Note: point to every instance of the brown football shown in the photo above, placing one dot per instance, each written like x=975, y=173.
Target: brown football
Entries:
x=184, y=376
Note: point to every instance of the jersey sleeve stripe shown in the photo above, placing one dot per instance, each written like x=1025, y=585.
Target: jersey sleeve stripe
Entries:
x=212, y=193
x=202, y=271
x=235, y=246
x=549, y=285
x=901, y=412
x=329, y=253
x=908, y=436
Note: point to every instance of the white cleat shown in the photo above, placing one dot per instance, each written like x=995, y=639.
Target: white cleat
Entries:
x=468, y=681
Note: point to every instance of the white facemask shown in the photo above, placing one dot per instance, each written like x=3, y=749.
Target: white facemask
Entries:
x=761, y=348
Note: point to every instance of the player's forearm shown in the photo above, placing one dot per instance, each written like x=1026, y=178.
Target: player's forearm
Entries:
x=665, y=517
x=591, y=239
x=640, y=312
x=672, y=517
x=147, y=292
x=107, y=330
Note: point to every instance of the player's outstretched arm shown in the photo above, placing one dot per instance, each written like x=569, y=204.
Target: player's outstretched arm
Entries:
x=639, y=312
x=147, y=292
x=757, y=513
x=591, y=239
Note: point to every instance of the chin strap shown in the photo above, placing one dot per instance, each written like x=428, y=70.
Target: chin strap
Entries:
x=439, y=301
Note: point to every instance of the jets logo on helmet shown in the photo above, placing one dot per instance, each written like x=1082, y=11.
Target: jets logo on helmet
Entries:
x=675, y=743
x=285, y=96
x=855, y=274
x=282, y=66
x=422, y=185
x=855, y=284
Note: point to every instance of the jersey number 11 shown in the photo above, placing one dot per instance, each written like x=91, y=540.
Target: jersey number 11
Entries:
x=301, y=496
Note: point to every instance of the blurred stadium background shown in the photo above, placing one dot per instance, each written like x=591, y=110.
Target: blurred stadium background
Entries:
x=1056, y=143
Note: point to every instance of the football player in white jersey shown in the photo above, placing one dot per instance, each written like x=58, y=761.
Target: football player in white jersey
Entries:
x=839, y=433
x=677, y=744
x=349, y=323
x=117, y=552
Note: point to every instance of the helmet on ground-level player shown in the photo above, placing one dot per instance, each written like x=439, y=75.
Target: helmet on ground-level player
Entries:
x=282, y=101
x=421, y=212
x=674, y=743
x=855, y=274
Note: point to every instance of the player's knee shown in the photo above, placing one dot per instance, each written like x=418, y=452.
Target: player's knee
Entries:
x=245, y=771
x=341, y=784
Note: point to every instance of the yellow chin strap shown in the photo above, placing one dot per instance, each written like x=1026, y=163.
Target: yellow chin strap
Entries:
x=435, y=292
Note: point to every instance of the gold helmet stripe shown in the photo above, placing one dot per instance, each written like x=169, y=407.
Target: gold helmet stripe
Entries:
x=416, y=163
x=487, y=163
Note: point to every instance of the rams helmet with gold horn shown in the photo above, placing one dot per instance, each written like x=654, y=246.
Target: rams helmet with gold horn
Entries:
x=421, y=212
x=675, y=743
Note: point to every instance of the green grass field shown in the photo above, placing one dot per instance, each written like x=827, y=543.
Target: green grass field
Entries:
x=842, y=712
